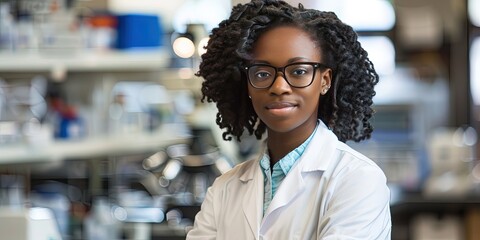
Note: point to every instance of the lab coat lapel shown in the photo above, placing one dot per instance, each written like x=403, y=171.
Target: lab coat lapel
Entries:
x=253, y=197
x=287, y=191
x=317, y=157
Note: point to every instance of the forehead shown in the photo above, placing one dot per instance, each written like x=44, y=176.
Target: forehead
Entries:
x=281, y=44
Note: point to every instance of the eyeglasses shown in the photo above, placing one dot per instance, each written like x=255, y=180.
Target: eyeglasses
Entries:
x=298, y=75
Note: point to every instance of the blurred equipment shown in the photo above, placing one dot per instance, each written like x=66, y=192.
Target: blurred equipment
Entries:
x=22, y=107
x=177, y=179
x=186, y=171
x=403, y=117
x=429, y=226
x=139, y=106
x=28, y=224
x=452, y=155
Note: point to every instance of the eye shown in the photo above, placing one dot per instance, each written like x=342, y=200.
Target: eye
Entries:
x=299, y=71
x=262, y=75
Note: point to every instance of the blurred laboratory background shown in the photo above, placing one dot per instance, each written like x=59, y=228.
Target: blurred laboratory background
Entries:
x=103, y=134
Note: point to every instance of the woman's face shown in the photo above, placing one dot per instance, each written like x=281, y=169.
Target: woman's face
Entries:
x=283, y=108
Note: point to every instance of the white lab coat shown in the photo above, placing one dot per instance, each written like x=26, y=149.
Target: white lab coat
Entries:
x=333, y=192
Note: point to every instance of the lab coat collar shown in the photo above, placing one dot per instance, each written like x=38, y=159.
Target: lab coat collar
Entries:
x=317, y=157
x=249, y=173
x=318, y=154
x=322, y=146
x=253, y=198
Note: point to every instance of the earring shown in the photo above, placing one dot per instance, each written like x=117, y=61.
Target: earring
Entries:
x=325, y=90
x=249, y=96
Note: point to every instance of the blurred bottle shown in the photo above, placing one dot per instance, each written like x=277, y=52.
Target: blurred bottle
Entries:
x=7, y=26
x=25, y=39
x=101, y=32
x=100, y=223
x=116, y=113
x=71, y=124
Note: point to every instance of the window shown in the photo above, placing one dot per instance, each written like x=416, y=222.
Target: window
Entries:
x=366, y=15
x=475, y=71
x=474, y=54
x=381, y=52
x=210, y=13
x=474, y=12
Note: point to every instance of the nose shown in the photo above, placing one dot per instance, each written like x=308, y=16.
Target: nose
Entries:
x=280, y=86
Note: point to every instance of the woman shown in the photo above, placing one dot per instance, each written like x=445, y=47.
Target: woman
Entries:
x=300, y=77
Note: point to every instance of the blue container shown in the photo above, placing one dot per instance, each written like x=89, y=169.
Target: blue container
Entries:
x=139, y=31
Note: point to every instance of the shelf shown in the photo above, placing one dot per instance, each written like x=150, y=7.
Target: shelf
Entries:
x=84, y=61
x=94, y=147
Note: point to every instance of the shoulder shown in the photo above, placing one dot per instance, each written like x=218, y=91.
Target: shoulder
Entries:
x=355, y=175
x=354, y=163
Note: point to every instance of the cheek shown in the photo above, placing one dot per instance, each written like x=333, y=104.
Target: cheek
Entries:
x=314, y=93
x=314, y=99
x=256, y=104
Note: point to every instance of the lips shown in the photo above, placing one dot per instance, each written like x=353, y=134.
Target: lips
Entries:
x=280, y=105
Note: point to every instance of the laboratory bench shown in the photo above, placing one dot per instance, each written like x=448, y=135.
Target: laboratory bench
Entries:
x=416, y=215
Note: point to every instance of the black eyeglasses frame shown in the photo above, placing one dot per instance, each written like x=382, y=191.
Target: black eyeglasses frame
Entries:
x=316, y=65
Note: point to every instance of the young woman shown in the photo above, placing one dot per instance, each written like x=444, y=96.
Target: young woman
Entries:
x=300, y=77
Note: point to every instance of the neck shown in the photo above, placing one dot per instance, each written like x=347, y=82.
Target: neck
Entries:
x=281, y=143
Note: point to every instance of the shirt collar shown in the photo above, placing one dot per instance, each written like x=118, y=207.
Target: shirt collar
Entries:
x=288, y=161
x=322, y=146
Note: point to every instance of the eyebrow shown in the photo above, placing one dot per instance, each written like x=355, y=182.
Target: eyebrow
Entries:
x=291, y=60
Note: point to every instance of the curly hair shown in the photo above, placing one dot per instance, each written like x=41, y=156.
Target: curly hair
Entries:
x=345, y=109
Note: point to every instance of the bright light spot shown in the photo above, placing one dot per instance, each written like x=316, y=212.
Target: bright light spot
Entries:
x=366, y=15
x=470, y=136
x=58, y=72
x=201, y=46
x=474, y=12
x=381, y=52
x=183, y=47
x=465, y=137
x=475, y=71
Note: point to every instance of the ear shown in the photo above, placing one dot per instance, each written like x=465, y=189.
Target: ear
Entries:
x=326, y=79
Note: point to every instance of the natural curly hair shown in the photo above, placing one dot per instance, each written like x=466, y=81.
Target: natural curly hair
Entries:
x=346, y=108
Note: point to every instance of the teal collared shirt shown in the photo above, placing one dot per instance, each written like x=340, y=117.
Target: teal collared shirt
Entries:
x=273, y=178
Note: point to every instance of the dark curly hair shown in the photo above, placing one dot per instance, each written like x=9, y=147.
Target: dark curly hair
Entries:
x=346, y=108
